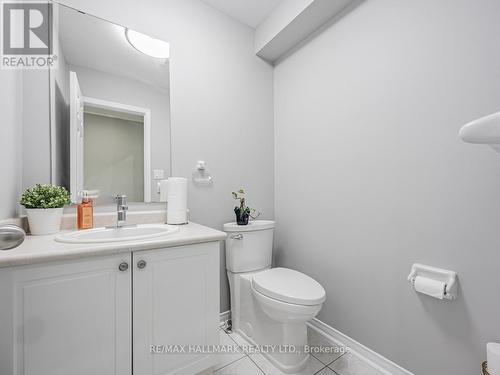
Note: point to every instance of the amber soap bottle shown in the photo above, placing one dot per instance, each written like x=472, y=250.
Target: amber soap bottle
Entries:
x=85, y=211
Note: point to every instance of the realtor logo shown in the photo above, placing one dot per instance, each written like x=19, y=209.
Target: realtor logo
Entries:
x=27, y=34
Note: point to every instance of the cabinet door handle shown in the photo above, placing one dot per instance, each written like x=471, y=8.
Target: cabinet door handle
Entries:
x=141, y=264
x=123, y=266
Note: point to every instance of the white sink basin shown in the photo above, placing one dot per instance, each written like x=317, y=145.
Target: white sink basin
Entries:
x=132, y=233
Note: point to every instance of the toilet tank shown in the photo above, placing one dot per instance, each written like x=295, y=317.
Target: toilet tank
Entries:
x=249, y=247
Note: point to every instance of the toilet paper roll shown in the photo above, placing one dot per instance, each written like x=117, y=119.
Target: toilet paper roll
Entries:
x=493, y=357
x=430, y=287
x=177, y=200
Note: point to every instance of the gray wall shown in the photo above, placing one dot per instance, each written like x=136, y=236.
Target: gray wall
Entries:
x=36, y=125
x=10, y=142
x=60, y=112
x=221, y=103
x=113, y=157
x=371, y=176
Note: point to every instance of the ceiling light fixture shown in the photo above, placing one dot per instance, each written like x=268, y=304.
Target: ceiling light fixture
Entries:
x=149, y=46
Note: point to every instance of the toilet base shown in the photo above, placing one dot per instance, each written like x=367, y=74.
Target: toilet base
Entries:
x=281, y=342
x=288, y=363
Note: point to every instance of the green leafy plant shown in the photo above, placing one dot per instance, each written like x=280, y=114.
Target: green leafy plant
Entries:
x=243, y=212
x=45, y=196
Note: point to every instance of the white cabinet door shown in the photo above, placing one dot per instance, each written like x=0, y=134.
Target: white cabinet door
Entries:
x=66, y=318
x=175, y=302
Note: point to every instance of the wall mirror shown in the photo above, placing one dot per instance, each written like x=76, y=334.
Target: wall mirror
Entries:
x=110, y=109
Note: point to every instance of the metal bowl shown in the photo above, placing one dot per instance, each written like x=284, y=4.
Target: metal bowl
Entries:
x=11, y=236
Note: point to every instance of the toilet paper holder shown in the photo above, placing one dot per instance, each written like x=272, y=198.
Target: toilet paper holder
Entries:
x=439, y=274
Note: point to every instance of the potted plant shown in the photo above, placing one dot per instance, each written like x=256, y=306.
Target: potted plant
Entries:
x=44, y=206
x=243, y=212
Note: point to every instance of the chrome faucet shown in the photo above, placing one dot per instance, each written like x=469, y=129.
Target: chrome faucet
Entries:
x=121, y=210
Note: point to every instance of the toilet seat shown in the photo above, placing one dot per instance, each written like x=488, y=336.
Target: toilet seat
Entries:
x=289, y=286
x=285, y=312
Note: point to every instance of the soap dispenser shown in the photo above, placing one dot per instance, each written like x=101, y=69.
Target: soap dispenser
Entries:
x=85, y=210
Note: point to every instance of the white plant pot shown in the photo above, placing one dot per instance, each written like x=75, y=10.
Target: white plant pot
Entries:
x=44, y=220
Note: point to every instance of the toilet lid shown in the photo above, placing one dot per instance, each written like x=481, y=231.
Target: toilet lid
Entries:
x=251, y=226
x=289, y=286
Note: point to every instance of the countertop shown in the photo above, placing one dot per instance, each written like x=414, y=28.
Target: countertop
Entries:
x=40, y=249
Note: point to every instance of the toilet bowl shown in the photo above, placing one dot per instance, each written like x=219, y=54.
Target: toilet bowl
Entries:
x=269, y=306
x=286, y=295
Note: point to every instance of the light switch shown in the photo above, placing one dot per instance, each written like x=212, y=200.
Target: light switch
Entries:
x=158, y=174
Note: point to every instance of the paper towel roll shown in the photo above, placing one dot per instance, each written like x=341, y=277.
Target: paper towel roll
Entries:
x=163, y=190
x=493, y=357
x=430, y=287
x=177, y=200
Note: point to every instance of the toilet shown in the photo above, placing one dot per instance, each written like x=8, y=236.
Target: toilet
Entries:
x=269, y=306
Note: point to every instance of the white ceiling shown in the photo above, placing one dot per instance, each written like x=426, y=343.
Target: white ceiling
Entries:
x=93, y=43
x=249, y=12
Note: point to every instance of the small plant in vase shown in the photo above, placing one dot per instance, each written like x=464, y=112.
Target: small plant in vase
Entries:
x=243, y=212
x=44, y=206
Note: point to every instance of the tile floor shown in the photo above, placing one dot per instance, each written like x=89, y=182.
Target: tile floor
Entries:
x=240, y=363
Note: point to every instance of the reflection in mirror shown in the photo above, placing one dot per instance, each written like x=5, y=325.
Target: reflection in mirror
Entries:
x=110, y=115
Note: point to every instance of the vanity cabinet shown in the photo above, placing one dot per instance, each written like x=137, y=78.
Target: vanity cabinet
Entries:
x=176, y=302
x=102, y=315
x=66, y=318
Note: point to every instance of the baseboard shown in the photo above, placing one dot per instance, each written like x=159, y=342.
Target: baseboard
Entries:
x=367, y=355
x=384, y=365
x=224, y=316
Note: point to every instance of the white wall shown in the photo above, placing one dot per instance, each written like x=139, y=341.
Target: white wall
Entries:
x=221, y=102
x=10, y=142
x=369, y=166
x=102, y=85
x=280, y=17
